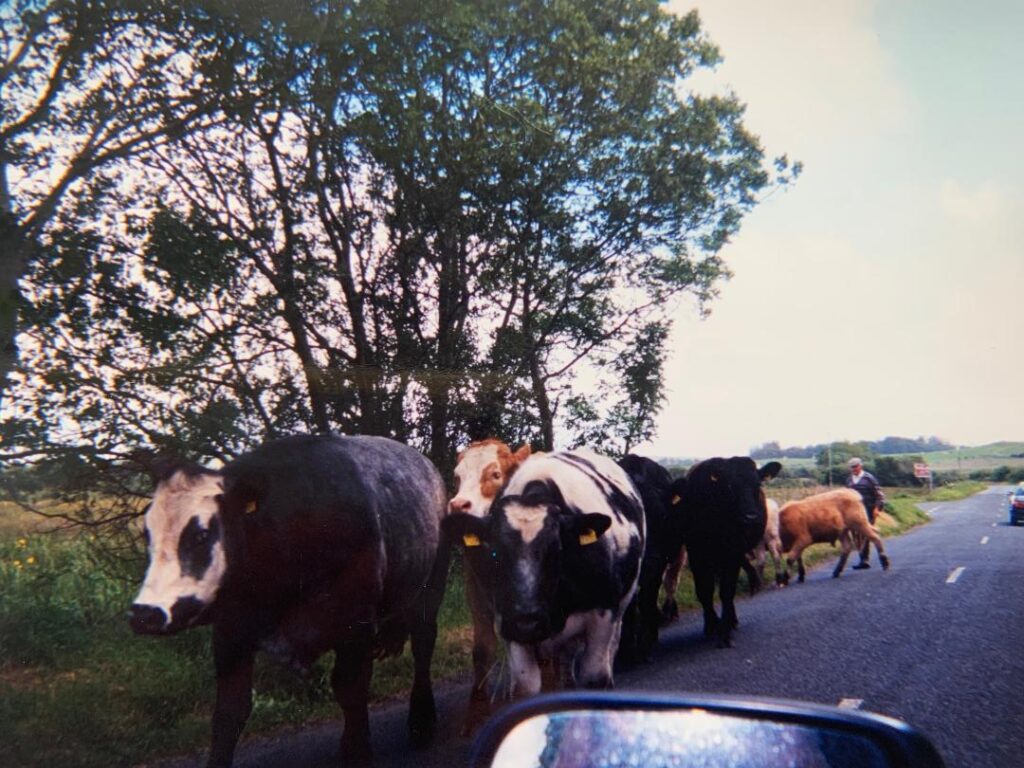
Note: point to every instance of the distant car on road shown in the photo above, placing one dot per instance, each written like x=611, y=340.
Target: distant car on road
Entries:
x=1015, y=499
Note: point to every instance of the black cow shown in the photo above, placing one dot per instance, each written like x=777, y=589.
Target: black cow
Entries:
x=305, y=545
x=664, y=542
x=567, y=533
x=723, y=513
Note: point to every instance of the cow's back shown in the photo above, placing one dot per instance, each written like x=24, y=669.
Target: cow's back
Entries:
x=314, y=505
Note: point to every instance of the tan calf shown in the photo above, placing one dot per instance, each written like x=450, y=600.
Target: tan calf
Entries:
x=826, y=517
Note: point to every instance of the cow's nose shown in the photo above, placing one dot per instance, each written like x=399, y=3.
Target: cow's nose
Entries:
x=460, y=505
x=146, y=619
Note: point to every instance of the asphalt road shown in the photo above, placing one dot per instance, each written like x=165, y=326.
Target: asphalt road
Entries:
x=937, y=641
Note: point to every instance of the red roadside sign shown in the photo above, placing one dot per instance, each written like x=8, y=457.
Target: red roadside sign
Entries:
x=922, y=470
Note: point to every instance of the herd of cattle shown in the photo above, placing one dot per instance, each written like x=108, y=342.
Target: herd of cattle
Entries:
x=316, y=543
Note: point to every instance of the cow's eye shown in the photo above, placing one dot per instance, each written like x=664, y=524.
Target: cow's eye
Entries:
x=496, y=476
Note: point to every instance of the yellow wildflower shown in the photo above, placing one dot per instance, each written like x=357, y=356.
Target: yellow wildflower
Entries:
x=30, y=560
x=23, y=543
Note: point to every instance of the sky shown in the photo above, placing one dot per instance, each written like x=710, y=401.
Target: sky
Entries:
x=883, y=294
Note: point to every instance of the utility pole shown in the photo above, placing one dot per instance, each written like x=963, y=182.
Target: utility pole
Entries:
x=830, y=464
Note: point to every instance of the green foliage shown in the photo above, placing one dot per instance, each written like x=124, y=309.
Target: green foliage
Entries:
x=424, y=222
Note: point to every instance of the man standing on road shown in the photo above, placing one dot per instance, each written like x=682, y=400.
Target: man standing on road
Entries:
x=871, y=494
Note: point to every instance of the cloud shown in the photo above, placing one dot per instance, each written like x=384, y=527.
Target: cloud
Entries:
x=809, y=71
x=986, y=204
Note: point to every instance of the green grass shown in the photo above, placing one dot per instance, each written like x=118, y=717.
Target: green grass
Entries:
x=77, y=688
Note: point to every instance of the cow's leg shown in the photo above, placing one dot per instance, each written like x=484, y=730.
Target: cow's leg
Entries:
x=883, y=558
x=522, y=662
x=727, y=594
x=485, y=647
x=233, y=662
x=601, y=641
x=777, y=563
x=423, y=636
x=649, y=616
x=846, y=544
x=670, y=583
x=753, y=581
x=704, y=585
x=350, y=679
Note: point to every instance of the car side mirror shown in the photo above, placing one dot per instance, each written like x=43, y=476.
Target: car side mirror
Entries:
x=605, y=730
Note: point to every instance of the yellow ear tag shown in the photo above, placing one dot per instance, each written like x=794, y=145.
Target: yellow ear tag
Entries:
x=587, y=537
x=250, y=507
x=675, y=500
x=471, y=540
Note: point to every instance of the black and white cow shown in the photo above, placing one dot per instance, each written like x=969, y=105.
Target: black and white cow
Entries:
x=305, y=545
x=723, y=511
x=567, y=534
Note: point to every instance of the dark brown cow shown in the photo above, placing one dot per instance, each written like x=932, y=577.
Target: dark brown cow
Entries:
x=305, y=545
x=724, y=515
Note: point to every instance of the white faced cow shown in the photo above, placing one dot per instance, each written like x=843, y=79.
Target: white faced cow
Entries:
x=305, y=545
x=481, y=471
x=567, y=535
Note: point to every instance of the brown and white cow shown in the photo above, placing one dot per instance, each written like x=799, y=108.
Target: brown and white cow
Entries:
x=481, y=471
x=305, y=545
x=770, y=545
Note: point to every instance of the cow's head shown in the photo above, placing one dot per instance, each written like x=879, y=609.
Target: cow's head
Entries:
x=481, y=471
x=535, y=542
x=187, y=561
x=726, y=487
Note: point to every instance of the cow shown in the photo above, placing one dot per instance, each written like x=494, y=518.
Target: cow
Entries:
x=481, y=471
x=770, y=545
x=567, y=534
x=663, y=545
x=723, y=510
x=306, y=544
x=825, y=517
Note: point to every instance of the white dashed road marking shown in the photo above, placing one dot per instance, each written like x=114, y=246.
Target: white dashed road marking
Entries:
x=984, y=539
x=850, y=703
x=951, y=579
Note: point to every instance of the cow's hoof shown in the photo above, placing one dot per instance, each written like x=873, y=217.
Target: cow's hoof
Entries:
x=669, y=612
x=885, y=563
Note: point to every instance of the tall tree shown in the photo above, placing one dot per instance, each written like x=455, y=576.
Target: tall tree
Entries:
x=86, y=84
x=424, y=220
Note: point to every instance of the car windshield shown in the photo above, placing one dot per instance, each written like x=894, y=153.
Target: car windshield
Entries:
x=293, y=295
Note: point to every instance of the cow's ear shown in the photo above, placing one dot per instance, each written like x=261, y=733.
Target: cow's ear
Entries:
x=677, y=492
x=468, y=530
x=770, y=470
x=586, y=529
x=522, y=454
x=237, y=497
